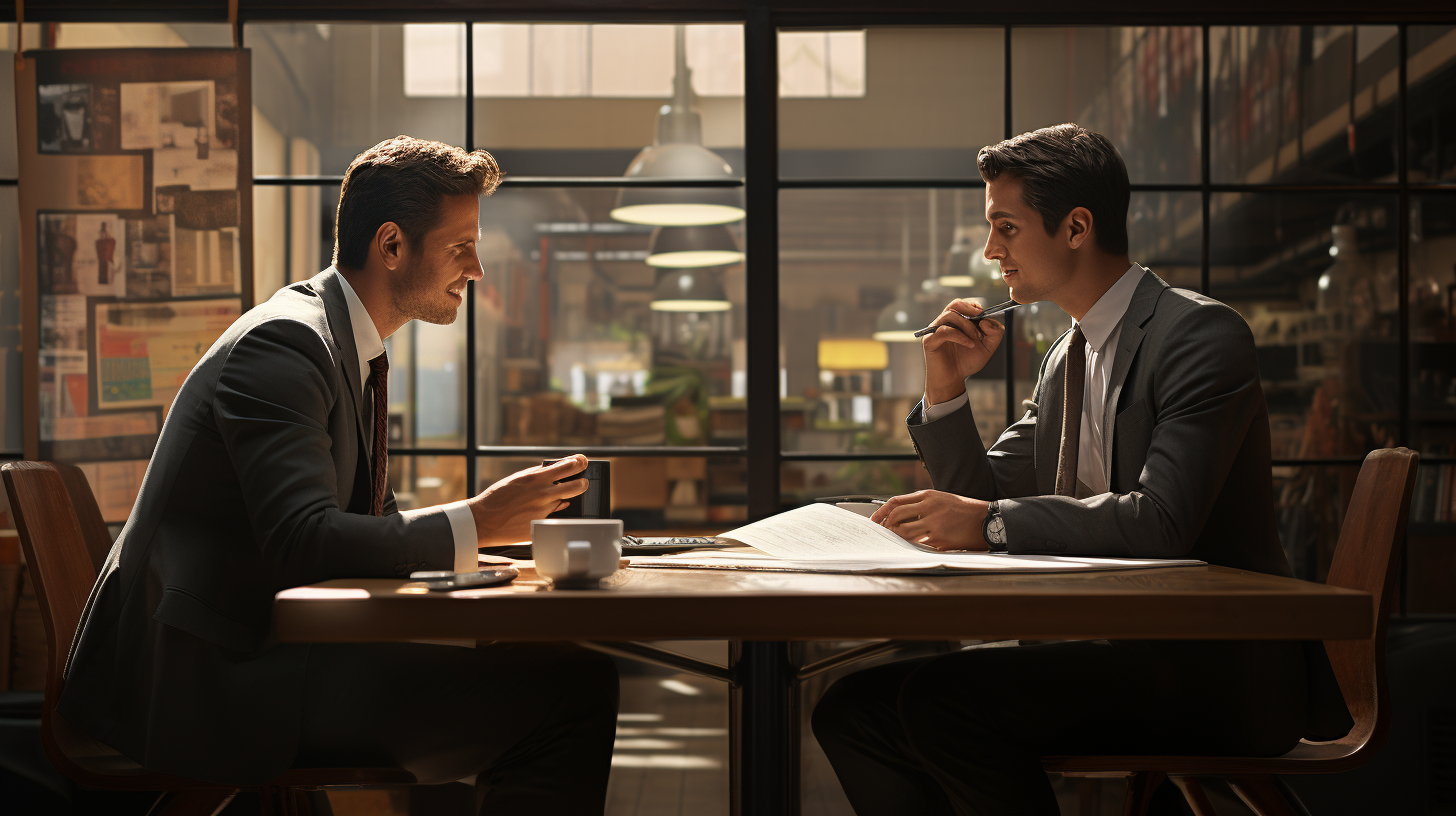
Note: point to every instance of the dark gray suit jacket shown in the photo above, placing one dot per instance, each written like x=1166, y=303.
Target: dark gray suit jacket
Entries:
x=1186, y=455
x=259, y=482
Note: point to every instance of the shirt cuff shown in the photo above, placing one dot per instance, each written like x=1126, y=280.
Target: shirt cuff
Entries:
x=462, y=527
x=934, y=412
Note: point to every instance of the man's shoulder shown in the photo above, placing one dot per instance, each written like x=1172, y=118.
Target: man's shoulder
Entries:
x=1185, y=310
x=294, y=309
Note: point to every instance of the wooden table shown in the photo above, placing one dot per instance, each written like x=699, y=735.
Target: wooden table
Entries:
x=761, y=612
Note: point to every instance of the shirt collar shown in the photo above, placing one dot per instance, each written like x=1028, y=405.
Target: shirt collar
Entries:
x=1107, y=312
x=366, y=335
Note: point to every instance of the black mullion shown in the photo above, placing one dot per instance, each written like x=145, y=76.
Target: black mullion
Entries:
x=535, y=181
x=1402, y=159
x=1008, y=341
x=1206, y=161
x=760, y=117
x=1403, y=246
x=471, y=406
x=558, y=451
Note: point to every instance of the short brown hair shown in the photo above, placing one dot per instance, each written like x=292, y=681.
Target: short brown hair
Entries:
x=1062, y=168
x=403, y=180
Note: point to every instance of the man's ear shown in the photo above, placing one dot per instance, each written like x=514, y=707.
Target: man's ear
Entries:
x=389, y=243
x=1079, y=222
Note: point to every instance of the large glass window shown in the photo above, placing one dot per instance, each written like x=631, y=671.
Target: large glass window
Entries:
x=931, y=97
x=1140, y=87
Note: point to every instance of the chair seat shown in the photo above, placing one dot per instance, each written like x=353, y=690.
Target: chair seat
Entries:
x=1306, y=757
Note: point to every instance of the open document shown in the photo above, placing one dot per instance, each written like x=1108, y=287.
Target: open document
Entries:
x=825, y=538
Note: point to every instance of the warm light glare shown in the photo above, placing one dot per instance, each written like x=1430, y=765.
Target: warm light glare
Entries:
x=957, y=280
x=853, y=355
x=678, y=215
x=899, y=336
x=687, y=260
x=690, y=305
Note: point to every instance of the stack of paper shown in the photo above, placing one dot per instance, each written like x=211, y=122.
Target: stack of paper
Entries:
x=824, y=538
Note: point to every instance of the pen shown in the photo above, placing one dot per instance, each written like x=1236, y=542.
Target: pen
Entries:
x=1000, y=308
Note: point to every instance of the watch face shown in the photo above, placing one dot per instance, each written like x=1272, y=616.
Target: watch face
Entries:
x=996, y=530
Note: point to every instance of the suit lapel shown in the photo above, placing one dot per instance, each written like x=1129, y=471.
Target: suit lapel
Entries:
x=336, y=307
x=1049, y=418
x=1139, y=309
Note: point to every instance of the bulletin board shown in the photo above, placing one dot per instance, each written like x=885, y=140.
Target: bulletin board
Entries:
x=136, y=244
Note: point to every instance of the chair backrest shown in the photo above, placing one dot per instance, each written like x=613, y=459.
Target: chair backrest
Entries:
x=1367, y=558
x=55, y=555
x=88, y=513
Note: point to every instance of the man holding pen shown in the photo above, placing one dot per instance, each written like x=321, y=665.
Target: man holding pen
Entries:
x=1146, y=436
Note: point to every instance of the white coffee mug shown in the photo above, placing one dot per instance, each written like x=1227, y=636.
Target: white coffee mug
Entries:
x=576, y=551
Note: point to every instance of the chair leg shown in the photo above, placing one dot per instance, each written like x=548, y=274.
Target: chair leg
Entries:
x=194, y=802
x=1140, y=787
x=1089, y=796
x=1195, y=797
x=1266, y=796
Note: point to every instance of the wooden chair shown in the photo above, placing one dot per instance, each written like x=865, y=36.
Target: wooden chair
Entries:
x=1366, y=558
x=57, y=554
x=88, y=513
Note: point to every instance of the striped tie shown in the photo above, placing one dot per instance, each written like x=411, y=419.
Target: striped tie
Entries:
x=379, y=376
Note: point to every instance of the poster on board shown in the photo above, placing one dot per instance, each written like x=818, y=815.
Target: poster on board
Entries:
x=135, y=205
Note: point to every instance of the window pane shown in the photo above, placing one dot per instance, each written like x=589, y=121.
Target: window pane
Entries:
x=570, y=349
x=322, y=93
x=800, y=483
x=1287, y=108
x=1315, y=276
x=1433, y=325
x=10, y=373
x=427, y=385
x=137, y=35
x=852, y=261
x=1140, y=87
x=425, y=481
x=560, y=100
x=9, y=167
x=1431, y=78
x=931, y=98
x=660, y=495
x=1165, y=234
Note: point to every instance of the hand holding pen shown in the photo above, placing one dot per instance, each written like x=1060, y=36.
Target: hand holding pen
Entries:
x=963, y=349
x=999, y=308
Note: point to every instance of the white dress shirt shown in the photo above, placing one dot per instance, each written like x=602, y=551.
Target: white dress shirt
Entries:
x=1102, y=326
x=370, y=345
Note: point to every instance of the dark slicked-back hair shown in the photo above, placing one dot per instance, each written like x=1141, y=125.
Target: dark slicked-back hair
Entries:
x=1062, y=168
x=403, y=180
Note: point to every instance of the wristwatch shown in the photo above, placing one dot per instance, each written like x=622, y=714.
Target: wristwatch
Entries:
x=994, y=528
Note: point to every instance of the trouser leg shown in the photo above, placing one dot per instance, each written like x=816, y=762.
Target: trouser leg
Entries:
x=536, y=722
x=857, y=723
x=971, y=727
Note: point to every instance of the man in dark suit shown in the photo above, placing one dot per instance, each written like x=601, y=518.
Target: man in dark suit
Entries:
x=270, y=473
x=1147, y=436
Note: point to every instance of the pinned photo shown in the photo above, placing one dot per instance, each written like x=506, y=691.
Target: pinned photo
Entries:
x=80, y=254
x=178, y=122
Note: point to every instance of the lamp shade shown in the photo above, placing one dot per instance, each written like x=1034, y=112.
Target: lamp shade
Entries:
x=690, y=290
x=703, y=245
x=679, y=206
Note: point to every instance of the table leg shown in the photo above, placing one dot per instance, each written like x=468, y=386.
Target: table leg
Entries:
x=763, y=716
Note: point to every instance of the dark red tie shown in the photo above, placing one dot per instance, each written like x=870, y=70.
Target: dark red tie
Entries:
x=1072, y=386
x=379, y=376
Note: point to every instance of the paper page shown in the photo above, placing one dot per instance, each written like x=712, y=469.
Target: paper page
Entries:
x=818, y=531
